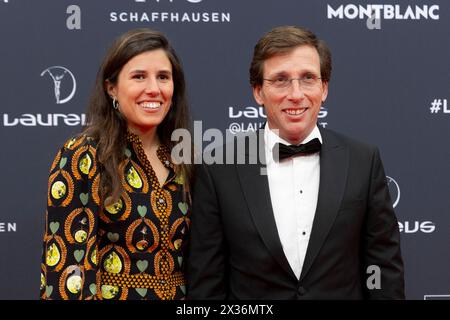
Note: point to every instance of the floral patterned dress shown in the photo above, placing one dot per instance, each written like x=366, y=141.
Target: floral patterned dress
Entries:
x=132, y=249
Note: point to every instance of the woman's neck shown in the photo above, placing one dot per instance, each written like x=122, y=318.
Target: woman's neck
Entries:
x=149, y=138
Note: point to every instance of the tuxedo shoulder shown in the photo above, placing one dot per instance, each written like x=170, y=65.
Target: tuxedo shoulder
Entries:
x=333, y=137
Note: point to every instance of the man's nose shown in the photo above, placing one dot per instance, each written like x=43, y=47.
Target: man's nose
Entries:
x=295, y=90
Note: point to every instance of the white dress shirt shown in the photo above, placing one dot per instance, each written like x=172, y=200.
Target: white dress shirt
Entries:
x=294, y=189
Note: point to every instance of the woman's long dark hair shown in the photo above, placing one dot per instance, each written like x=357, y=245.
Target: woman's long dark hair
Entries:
x=109, y=128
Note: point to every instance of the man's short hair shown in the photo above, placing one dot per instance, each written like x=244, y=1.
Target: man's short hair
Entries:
x=282, y=40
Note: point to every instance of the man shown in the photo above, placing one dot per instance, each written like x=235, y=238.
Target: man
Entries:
x=320, y=223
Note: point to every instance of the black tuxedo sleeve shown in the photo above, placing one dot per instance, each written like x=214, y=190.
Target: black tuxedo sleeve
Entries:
x=206, y=261
x=381, y=239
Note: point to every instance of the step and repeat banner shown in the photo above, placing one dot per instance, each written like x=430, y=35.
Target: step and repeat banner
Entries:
x=389, y=87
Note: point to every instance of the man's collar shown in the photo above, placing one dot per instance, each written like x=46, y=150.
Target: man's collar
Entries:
x=271, y=137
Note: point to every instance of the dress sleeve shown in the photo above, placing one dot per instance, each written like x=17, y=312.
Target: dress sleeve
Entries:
x=69, y=256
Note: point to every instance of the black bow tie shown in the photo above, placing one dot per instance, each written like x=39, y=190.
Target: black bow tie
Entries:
x=285, y=151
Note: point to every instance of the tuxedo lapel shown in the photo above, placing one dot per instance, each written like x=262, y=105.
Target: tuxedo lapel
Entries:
x=333, y=175
x=255, y=187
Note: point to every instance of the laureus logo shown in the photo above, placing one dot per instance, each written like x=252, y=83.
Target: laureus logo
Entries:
x=64, y=86
x=394, y=190
x=61, y=75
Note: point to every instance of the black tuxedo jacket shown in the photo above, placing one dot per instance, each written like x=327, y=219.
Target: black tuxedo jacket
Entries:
x=235, y=251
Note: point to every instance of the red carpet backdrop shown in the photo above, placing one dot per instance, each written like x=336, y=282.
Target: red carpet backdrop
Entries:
x=389, y=87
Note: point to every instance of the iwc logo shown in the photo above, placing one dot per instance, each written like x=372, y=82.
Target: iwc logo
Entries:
x=61, y=75
x=8, y=227
x=193, y=13
x=394, y=190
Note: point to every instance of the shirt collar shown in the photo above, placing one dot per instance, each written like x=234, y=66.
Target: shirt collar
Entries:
x=271, y=138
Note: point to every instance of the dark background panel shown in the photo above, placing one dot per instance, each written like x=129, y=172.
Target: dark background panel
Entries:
x=382, y=87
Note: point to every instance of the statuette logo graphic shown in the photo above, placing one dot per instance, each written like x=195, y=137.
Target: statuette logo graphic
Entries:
x=61, y=76
x=394, y=190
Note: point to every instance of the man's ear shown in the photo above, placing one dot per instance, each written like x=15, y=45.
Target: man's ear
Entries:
x=258, y=95
x=111, y=89
x=325, y=91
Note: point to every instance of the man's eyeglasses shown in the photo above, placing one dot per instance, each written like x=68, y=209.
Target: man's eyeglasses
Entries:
x=307, y=82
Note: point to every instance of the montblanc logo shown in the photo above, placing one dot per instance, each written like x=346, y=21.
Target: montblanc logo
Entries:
x=58, y=74
x=374, y=14
x=394, y=190
x=383, y=11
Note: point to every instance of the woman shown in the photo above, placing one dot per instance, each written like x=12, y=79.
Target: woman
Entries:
x=117, y=214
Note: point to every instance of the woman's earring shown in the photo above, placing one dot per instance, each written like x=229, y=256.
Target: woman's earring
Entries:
x=115, y=104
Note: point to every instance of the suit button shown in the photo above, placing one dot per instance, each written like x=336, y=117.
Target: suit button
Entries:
x=301, y=291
